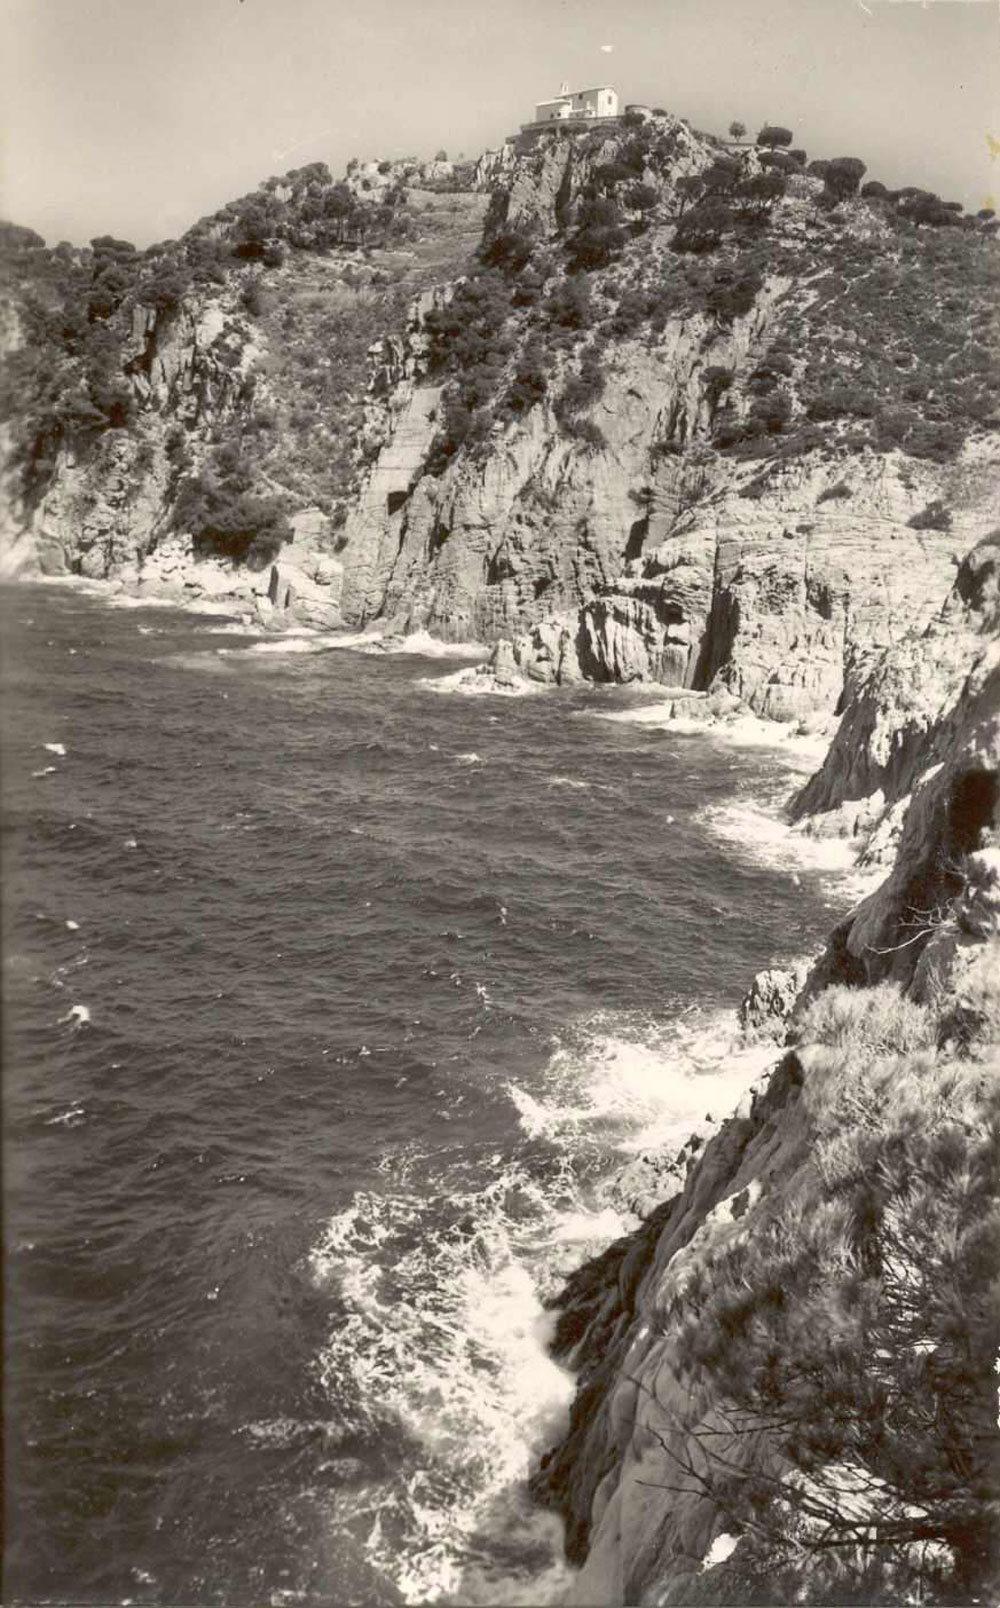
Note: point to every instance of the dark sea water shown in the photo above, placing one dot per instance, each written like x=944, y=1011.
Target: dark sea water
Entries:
x=331, y=1003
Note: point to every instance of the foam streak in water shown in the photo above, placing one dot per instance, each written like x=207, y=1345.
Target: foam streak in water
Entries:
x=444, y=1345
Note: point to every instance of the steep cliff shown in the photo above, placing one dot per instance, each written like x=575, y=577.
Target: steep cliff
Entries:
x=179, y=418
x=726, y=464
x=628, y=403
x=785, y=1387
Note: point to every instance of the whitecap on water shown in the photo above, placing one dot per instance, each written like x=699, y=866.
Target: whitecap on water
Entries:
x=55, y=748
x=70, y=1118
x=757, y=831
x=299, y=643
x=643, y=1084
x=801, y=751
x=422, y=644
x=442, y=1353
x=361, y=641
x=473, y=682
x=77, y=1016
x=571, y=782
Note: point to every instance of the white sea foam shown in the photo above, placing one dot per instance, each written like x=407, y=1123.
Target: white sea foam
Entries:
x=362, y=641
x=444, y=1342
x=297, y=643
x=430, y=647
x=217, y=609
x=77, y=1015
x=571, y=782
x=47, y=770
x=213, y=607
x=801, y=751
x=476, y=682
x=441, y=1332
x=756, y=830
x=70, y=1118
x=129, y=600
x=640, y=1085
x=55, y=748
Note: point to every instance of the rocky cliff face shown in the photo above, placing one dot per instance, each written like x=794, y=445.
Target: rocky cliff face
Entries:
x=288, y=365
x=628, y=546
x=723, y=1446
x=646, y=451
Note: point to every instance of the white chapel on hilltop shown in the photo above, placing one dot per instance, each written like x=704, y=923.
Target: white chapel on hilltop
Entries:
x=569, y=104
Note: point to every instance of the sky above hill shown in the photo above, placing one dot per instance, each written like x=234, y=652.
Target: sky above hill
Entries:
x=136, y=117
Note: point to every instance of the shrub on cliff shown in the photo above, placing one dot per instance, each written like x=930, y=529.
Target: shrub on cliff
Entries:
x=838, y=493
x=773, y=410
x=843, y=175
x=583, y=389
x=934, y=517
x=642, y=198
x=530, y=381
x=584, y=431
x=847, y=1336
x=702, y=229
x=732, y=292
x=773, y=135
x=570, y=304
x=840, y=402
x=598, y=237
x=226, y=517
x=464, y=332
x=510, y=249
x=718, y=380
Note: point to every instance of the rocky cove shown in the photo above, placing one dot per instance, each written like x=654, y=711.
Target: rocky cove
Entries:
x=783, y=1378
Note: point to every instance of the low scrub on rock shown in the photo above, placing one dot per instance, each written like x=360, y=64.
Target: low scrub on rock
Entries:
x=848, y=1341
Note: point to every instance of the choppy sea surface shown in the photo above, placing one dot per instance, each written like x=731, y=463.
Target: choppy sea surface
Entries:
x=331, y=1006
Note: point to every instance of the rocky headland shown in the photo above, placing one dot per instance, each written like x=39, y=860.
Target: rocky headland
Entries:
x=784, y=1376
x=643, y=407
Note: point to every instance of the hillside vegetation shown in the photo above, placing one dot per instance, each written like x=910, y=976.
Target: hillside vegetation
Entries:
x=299, y=280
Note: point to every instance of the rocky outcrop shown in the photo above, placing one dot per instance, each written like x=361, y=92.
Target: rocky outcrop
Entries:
x=619, y=564
x=766, y=1008
x=885, y=737
x=651, y=1474
x=627, y=549
x=537, y=180
x=301, y=588
x=611, y=1479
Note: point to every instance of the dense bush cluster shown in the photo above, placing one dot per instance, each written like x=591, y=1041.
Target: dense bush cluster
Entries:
x=848, y=1340
x=68, y=382
x=226, y=515
x=722, y=201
